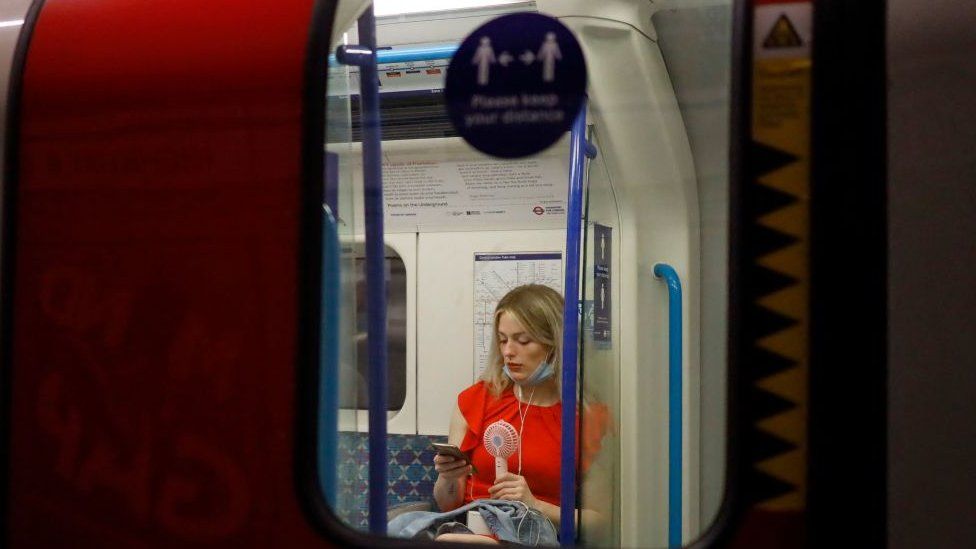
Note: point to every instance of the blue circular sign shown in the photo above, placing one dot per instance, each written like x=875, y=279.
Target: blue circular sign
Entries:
x=515, y=84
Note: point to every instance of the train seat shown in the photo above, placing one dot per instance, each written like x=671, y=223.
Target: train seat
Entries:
x=410, y=470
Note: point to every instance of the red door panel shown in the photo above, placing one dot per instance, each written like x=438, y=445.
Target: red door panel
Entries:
x=154, y=318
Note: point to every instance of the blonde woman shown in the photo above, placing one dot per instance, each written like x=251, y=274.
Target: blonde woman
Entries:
x=520, y=385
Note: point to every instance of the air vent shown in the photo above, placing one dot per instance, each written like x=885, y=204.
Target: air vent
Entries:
x=408, y=115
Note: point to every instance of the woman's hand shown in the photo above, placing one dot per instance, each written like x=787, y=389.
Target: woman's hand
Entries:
x=512, y=487
x=450, y=468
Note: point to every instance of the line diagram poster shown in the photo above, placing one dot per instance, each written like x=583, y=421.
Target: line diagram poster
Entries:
x=497, y=273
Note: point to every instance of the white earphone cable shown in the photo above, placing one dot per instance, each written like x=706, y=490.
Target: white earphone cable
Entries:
x=518, y=403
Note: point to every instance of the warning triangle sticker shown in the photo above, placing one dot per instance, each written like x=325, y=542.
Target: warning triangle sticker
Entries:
x=783, y=35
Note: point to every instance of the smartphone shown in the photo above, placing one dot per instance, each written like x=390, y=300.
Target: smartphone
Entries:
x=453, y=451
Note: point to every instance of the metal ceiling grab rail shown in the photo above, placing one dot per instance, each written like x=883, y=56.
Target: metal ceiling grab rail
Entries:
x=580, y=149
x=670, y=277
x=363, y=55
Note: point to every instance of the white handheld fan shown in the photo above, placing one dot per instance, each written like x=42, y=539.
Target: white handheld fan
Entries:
x=501, y=440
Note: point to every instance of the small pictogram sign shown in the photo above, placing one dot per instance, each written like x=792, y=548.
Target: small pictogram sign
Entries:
x=783, y=35
x=515, y=85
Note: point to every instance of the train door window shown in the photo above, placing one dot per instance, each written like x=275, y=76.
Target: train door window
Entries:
x=396, y=337
x=342, y=208
x=462, y=229
x=599, y=370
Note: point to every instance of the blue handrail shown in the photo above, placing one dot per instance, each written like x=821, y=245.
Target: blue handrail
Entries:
x=328, y=435
x=574, y=218
x=364, y=56
x=410, y=55
x=670, y=276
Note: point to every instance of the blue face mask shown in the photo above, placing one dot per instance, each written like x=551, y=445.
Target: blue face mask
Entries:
x=542, y=373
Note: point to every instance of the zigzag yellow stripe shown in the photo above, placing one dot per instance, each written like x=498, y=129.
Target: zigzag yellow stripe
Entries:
x=793, y=220
x=790, y=343
x=792, y=260
x=788, y=300
x=790, y=384
x=789, y=467
x=788, y=425
x=786, y=178
x=781, y=119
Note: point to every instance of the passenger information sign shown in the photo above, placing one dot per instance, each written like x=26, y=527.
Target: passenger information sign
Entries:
x=602, y=300
x=515, y=84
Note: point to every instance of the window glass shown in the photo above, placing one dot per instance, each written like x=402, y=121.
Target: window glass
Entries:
x=463, y=229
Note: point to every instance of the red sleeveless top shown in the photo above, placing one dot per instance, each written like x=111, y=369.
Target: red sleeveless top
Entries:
x=541, y=439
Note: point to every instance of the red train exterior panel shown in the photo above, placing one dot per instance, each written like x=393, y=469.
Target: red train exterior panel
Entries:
x=155, y=308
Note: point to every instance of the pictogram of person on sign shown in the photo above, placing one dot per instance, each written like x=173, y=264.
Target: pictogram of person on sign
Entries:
x=549, y=53
x=484, y=57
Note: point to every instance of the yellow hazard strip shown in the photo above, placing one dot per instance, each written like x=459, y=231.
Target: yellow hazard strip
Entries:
x=781, y=120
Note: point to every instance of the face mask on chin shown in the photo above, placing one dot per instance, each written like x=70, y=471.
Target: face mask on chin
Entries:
x=542, y=373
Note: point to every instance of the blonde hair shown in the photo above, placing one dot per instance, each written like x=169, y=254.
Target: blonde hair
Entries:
x=539, y=309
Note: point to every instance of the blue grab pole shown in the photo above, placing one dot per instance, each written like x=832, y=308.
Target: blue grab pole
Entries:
x=670, y=276
x=328, y=435
x=574, y=217
x=375, y=276
x=364, y=56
